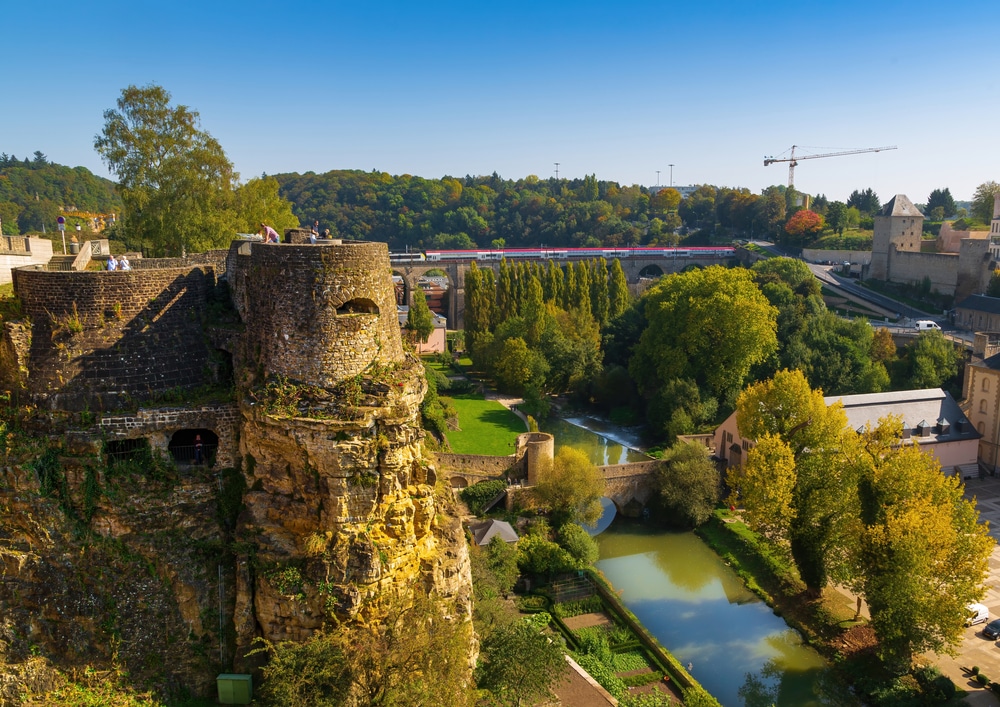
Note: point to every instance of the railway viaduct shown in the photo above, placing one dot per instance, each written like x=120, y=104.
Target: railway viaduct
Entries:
x=634, y=267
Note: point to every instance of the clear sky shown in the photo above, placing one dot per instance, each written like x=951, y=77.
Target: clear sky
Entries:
x=617, y=89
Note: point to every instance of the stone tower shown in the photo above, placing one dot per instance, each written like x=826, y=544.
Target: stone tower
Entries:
x=898, y=227
x=341, y=507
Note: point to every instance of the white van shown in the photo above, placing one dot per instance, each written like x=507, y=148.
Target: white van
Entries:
x=926, y=325
x=977, y=614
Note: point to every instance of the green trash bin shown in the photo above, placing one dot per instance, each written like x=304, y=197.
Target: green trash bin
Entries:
x=234, y=689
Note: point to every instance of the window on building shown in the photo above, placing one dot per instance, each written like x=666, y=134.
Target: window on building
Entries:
x=981, y=427
x=982, y=405
x=986, y=385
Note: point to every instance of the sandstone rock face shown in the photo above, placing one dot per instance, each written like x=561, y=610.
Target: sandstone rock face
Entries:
x=341, y=508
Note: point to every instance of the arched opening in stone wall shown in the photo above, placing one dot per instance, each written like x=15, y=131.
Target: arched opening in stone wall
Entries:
x=193, y=446
x=359, y=305
x=222, y=364
x=651, y=272
x=127, y=450
x=459, y=482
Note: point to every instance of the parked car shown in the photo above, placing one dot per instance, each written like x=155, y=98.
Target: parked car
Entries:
x=992, y=629
x=926, y=325
x=977, y=614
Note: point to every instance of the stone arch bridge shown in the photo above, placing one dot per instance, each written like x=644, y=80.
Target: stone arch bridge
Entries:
x=634, y=267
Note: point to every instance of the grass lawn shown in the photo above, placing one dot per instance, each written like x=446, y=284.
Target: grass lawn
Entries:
x=487, y=427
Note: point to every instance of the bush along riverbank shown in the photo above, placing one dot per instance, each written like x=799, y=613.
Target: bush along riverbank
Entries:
x=827, y=622
x=608, y=641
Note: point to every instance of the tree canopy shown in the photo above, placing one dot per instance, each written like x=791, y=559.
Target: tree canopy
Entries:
x=710, y=326
x=178, y=188
x=571, y=489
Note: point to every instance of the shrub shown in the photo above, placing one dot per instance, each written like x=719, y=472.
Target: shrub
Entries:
x=982, y=680
x=477, y=495
x=603, y=675
x=566, y=609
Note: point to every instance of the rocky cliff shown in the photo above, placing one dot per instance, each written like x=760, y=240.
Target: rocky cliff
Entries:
x=122, y=562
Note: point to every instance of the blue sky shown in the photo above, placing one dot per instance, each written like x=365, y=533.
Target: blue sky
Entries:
x=620, y=90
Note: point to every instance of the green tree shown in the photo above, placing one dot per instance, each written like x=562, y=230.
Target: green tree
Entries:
x=312, y=673
x=687, y=482
x=771, y=209
x=920, y=555
x=502, y=560
x=599, y=292
x=518, y=664
x=786, y=408
x=571, y=488
x=577, y=542
x=519, y=369
x=258, y=201
x=414, y=654
x=940, y=198
x=865, y=201
x=419, y=319
x=38, y=216
x=8, y=218
x=982, y=200
x=690, y=333
x=175, y=181
x=618, y=295
x=836, y=216
x=929, y=361
x=765, y=485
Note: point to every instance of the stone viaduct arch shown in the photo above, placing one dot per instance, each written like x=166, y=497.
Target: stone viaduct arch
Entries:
x=456, y=269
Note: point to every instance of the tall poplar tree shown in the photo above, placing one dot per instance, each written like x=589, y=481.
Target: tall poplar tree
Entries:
x=618, y=297
x=581, y=289
x=599, y=304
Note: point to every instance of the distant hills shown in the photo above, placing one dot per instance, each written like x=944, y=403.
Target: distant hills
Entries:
x=34, y=192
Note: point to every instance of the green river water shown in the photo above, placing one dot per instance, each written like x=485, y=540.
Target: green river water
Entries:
x=696, y=606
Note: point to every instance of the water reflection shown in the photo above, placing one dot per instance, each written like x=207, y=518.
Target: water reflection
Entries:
x=608, y=513
x=603, y=446
x=699, y=609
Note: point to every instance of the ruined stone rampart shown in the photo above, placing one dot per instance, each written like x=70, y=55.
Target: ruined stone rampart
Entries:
x=107, y=340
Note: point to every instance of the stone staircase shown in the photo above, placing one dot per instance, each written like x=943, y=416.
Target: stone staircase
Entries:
x=61, y=262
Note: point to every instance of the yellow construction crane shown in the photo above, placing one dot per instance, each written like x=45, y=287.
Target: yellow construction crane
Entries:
x=792, y=160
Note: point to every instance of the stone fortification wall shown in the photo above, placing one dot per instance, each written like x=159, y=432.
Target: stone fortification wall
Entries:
x=159, y=424
x=911, y=268
x=318, y=314
x=837, y=257
x=973, y=267
x=107, y=340
x=476, y=464
x=214, y=258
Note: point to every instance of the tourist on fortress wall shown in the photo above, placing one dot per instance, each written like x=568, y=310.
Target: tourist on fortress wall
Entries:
x=270, y=235
x=112, y=264
x=123, y=263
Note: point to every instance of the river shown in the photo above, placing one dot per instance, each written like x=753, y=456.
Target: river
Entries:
x=696, y=606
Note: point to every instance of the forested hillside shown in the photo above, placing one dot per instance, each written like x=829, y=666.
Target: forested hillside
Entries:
x=475, y=211
x=34, y=192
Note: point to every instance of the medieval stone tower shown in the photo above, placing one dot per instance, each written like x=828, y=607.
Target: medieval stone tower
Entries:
x=341, y=507
x=898, y=227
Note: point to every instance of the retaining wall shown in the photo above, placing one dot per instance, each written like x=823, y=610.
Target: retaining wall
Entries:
x=108, y=340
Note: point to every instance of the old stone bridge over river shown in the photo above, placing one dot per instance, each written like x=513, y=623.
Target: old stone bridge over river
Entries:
x=681, y=591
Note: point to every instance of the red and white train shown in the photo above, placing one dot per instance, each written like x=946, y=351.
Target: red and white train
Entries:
x=718, y=252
